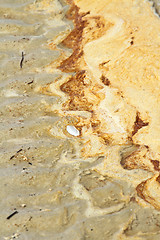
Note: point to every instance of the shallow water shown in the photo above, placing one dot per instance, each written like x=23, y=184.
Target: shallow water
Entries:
x=55, y=192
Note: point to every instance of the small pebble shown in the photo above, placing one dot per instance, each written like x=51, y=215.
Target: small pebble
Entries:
x=23, y=205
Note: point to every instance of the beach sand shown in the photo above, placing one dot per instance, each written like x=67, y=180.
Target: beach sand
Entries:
x=79, y=120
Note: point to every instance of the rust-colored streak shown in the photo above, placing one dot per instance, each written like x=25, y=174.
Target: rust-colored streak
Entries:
x=138, y=124
x=158, y=179
x=73, y=40
x=148, y=191
x=71, y=64
x=75, y=88
x=136, y=159
x=129, y=163
x=105, y=80
x=74, y=104
x=82, y=93
x=75, y=84
x=155, y=164
x=94, y=28
x=140, y=189
x=133, y=162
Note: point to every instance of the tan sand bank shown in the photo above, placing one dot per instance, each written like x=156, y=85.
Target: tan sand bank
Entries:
x=116, y=57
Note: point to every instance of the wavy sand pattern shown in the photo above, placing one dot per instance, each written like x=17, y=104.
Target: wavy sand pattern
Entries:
x=101, y=77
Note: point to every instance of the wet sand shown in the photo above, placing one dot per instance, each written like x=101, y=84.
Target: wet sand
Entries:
x=54, y=185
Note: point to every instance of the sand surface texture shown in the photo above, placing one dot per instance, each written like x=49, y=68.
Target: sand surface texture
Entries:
x=80, y=146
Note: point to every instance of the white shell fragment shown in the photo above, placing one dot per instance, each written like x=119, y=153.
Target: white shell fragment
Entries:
x=73, y=131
